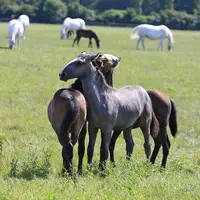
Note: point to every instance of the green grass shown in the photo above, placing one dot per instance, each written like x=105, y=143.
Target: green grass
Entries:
x=28, y=80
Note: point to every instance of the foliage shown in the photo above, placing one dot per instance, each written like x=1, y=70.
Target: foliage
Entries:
x=177, y=14
x=53, y=11
x=76, y=10
x=32, y=167
x=113, y=15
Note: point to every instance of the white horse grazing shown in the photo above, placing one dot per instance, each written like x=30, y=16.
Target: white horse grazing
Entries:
x=24, y=19
x=70, y=24
x=15, y=32
x=154, y=33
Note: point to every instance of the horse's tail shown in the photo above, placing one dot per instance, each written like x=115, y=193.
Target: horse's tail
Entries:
x=154, y=128
x=173, y=119
x=72, y=111
x=170, y=37
x=134, y=33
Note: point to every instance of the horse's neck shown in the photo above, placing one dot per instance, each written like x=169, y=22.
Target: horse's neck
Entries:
x=95, y=37
x=95, y=89
x=77, y=85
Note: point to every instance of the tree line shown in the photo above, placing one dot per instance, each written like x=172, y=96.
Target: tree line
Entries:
x=177, y=14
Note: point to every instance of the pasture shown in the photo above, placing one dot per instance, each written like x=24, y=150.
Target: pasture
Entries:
x=31, y=156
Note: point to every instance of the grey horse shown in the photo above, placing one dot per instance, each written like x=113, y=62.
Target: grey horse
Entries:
x=110, y=108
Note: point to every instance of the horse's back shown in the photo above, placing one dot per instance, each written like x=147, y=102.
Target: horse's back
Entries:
x=65, y=100
x=24, y=19
x=161, y=105
x=134, y=102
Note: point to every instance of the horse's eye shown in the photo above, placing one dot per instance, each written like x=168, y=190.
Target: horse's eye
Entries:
x=79, y=62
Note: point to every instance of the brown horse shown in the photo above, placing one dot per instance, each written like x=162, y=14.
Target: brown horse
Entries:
x=86, y=33
x=165, y=111
x=67, y=113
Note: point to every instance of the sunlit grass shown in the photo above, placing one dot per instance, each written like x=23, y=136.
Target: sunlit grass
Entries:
x=28, y=80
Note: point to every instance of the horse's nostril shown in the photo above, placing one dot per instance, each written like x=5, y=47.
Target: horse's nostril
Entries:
x=61, y=75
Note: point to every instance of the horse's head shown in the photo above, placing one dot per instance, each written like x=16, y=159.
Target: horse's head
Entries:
x=62, y=33
x=106, y=62
x=169, y=47
x=78, y=67
x=11, y=44
x=98, y=43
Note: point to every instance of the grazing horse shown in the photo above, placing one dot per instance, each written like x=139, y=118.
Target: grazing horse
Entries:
x=154, y=33
x=15, y=32
x=165, y=111
x=109, y=108
x=24, y=19
x=67, y=113
x=70, y=24
x=86, y=33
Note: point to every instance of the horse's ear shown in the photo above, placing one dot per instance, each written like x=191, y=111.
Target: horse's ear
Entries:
x=96, y=61
x=83, y=53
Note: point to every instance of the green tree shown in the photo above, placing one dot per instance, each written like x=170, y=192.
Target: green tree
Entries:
x=137, y=5
x=53, y=11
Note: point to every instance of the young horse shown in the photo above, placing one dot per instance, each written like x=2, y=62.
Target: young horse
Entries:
x=15, y=32
x=24, y=19
x=86, y=33
x=165, y=111
x=109, y=108
x=154, y=33
x=67, y=113
x=71, y=25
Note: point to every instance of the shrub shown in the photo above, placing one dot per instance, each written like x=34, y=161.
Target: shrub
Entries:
x=34, y=166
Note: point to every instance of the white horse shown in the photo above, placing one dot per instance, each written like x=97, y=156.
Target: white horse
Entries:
x=70, y=24
x=24, y=19
x=15, y=32
x=154, y=33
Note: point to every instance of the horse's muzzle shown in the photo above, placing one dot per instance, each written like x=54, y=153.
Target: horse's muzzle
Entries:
x=62, y=76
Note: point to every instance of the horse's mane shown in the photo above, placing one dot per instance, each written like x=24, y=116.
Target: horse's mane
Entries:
x=102, y=80
x=95, y=36
x=77, y=85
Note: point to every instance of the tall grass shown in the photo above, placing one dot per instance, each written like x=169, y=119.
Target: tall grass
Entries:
x=28, y=80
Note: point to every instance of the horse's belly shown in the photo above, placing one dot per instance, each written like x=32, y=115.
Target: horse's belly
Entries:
x=126, y=120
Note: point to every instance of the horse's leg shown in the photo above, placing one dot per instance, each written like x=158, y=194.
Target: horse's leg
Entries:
x=160, y=46
x=18, y=38
x=166, y=145
x=90, y=42
x=138, y=42
x=74, y=41
x=78, y=40
x=24, y=34
x=67, y=154
x=114, y=137
x=105, y=141
x=92, y=139
x=81, y=147
x=156, y=149
x=143, y=42
x=129, y=142
x=147, y=140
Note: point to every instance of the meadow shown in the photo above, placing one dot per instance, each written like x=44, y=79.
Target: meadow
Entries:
x=31, y=159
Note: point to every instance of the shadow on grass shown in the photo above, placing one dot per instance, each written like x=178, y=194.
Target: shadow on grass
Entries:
x=4, y=48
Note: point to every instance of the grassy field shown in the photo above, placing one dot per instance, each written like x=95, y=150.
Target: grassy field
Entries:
x=31, y=156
